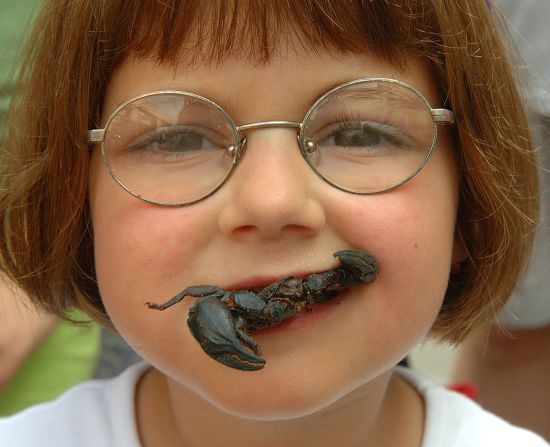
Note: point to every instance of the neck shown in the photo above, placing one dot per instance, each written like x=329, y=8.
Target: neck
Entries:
x=169, y=414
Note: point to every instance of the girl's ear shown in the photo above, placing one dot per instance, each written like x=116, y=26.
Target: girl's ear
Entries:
x=459, y=248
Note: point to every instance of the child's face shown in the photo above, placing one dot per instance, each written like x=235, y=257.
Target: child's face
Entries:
x=273, y=218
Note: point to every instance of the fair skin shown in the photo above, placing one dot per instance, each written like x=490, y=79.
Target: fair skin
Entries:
x=328, y=381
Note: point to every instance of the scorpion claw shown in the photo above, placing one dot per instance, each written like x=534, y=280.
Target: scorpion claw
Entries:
x=213, y=326
x=242, y=360
x=361, y=264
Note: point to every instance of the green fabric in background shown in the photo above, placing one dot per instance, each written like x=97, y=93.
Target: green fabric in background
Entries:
x=69, y=354
x=67, y=357
x=15, y=18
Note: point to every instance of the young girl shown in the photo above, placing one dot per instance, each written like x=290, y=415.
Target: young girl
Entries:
x=154, y=147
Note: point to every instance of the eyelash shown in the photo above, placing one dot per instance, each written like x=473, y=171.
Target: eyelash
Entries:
x=346, y=121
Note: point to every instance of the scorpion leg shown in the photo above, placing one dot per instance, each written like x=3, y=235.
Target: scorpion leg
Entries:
x=213, y=325
x=194, y=291
x=362, y=265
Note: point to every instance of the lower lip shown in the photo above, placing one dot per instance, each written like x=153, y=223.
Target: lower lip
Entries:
x=312, y=315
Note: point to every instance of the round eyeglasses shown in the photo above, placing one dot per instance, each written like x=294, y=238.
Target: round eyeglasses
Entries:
x=174, y=148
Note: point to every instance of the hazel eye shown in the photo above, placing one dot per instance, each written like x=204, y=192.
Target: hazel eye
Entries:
x=361, y=135
x=180, y=142
x=174, y=140
x=356, y=137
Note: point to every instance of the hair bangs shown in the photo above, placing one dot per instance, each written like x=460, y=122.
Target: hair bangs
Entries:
x=194, y=31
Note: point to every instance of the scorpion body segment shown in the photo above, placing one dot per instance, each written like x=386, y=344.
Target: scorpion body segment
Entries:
x=222, y=321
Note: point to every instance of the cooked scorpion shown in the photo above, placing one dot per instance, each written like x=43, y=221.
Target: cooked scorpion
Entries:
x=222, y=321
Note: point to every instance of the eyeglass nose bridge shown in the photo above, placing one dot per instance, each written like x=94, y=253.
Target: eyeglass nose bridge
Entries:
x=269, y=124
x=263, y=125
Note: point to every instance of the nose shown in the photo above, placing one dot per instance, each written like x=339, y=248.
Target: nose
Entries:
x=272, y=192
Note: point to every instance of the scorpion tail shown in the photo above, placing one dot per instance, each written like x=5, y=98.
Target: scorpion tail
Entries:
x=361, y=264
x=213, y=326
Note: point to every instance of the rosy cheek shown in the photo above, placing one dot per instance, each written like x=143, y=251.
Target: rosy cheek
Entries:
x=143, y=239
x=381, y=223
x=141, y=248
x=412, y=242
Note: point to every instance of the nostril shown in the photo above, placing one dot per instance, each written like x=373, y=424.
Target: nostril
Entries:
x=298, y=228
x=244, y=229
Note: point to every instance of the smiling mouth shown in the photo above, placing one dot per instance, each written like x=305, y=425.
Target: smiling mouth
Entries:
x=222, y=321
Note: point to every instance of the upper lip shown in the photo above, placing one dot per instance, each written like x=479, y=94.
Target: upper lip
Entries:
x=260, y=272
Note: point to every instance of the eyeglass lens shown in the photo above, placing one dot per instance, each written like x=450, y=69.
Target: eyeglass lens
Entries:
x=177, y=148
x=369, y=136
x=170, y=148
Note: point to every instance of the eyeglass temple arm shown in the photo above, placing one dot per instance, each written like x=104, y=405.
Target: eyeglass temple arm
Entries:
x=443, y=116
x=96, y=135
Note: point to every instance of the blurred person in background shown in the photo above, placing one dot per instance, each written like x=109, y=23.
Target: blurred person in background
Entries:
x=510, y=363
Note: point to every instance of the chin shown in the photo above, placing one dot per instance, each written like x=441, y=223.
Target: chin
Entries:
x=287, y=388
x=268, y=399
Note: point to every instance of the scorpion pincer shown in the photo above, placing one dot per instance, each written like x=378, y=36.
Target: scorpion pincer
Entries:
x=222, y=321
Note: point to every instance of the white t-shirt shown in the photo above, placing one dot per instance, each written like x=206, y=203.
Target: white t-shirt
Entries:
x=101, y=413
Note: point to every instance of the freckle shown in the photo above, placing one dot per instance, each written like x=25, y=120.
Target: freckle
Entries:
x=415, y=245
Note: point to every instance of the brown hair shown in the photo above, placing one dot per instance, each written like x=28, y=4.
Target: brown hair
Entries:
x=46, y=235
